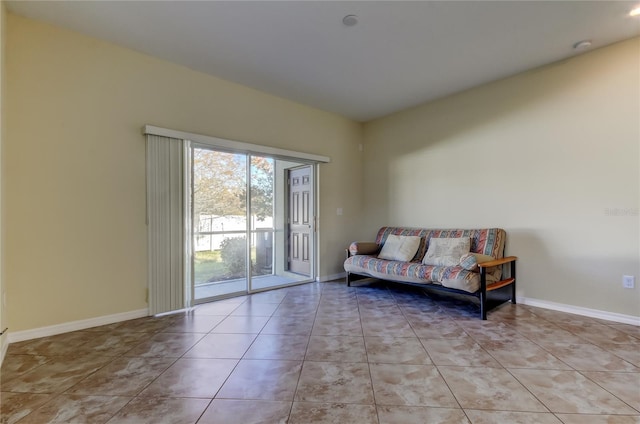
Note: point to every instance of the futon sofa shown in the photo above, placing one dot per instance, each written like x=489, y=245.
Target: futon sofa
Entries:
x=462, y=261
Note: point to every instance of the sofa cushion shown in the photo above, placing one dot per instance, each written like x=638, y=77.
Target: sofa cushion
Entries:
x=414, y=272
x=446, y=251
x=399, y=248
x=488, y=241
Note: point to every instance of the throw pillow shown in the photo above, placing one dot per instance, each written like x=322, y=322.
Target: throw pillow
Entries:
x=446, y=251
x=470, y=261
x=399, y=248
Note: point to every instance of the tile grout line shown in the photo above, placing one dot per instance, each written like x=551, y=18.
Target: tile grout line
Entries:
x=373, y=390
x=607, y=390
x=304, y=358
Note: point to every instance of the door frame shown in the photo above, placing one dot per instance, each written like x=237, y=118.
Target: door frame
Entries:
x=313, y=243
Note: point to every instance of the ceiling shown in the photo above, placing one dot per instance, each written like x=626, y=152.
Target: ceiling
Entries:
x=400, y=54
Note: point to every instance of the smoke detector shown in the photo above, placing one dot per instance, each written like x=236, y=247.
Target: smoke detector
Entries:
x=350, y=20
x=581, y=45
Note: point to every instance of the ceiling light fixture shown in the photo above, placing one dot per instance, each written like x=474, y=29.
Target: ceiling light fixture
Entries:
x=635, y=11
x=581, y=45
x=350, y=20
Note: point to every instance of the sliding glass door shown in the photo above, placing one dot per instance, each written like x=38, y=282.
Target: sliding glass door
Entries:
x=241, y=238
x=219, y=208
x=262, y=219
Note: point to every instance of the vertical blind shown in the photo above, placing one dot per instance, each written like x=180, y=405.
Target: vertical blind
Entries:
x=166, y=217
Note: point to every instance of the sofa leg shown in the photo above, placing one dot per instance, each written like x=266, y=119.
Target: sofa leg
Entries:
x=513, y=285
x=483, y=294
x=483, y=306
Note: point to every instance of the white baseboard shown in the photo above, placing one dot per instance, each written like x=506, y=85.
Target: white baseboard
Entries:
x=578, y=310
x=332, y=277
x=66, y=327
x=4, y=345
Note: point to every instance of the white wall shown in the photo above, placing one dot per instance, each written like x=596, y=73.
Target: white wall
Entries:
x=546, y=155
x=74, y=166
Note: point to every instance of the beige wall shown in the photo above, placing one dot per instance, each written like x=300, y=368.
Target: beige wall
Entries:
x=74, y=166
x=3, y=309
x=543, y=154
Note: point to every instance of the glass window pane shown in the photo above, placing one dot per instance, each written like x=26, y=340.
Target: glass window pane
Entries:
x=261, y=193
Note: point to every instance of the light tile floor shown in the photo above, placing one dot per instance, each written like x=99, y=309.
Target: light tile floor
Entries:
x=327, y=353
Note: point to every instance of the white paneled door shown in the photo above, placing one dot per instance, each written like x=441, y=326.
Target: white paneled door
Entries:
x=301, y=220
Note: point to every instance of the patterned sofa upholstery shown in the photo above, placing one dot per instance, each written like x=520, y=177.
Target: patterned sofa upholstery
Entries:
x=362, y=260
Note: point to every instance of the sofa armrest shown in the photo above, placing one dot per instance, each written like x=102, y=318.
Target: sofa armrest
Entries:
x=484, y=287
x=497, y=262
x=362, y=248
